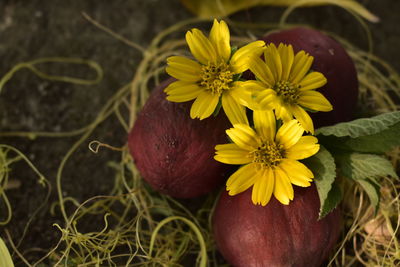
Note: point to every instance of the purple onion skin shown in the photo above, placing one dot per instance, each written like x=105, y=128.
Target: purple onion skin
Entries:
x=275, y=235
x=173, y=152
x=332, y=60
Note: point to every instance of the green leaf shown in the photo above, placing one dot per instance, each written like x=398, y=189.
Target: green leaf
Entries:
x=234, y=49
x=5, y=257
x=365, y=169
x=372, y=190
x=358, y=166
x=323, y=167
x=376, y=143
x=362, y=127
x=335, y=196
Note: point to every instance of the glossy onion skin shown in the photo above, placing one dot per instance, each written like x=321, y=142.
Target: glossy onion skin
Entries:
x=274, y=235
x=332, y=60
x=173, y=152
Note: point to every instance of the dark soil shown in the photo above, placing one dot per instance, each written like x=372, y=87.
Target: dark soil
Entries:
x=35, y=29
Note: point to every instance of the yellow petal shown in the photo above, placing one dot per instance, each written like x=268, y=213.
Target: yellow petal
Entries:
x=262, y=71
x=240, y=59
x=304, y=148
x=258, y=188
x=287, y=56
x=204, y=105
x=235, y=112
x=283, y=189
x=182, y=75
x=175, y=85
x=268, y=186
x=265, y=124
x=314, y=100
x=302, y=116
x=253, y=86
x=266, y=99
x=250, y=89
x=183, y=69
x=231, y=154
x=297, y=172
x=273, y=61
x=220, y=38
x=180, y=91
x=282, y=110
x=289, y=133
x=301, y=65
x=244, y=137
x=200, y=47
x=312, y=80
x=241, y=93
x=242, y=179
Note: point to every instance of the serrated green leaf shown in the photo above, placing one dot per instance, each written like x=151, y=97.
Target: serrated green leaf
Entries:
x=323, y=167
x=358, y=166
x=377, y=143
x=365, y=169
x=5, y=257
x=333, y=199
x=362, y=127
x=372, y=190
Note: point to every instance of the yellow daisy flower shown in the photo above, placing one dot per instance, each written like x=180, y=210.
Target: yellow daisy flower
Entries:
x=270, y=158
x=285, y=84
x=211, y=78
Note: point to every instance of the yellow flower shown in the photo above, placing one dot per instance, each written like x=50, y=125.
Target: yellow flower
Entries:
x=285, y=84
x=211, y=78
x=270, y=158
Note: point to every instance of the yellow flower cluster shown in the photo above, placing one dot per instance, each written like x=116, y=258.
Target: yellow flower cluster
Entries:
x=282, y=92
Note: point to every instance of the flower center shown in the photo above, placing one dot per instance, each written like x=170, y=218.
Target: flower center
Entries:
x=288, y=91
x=216, y=77
x=268, y=154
